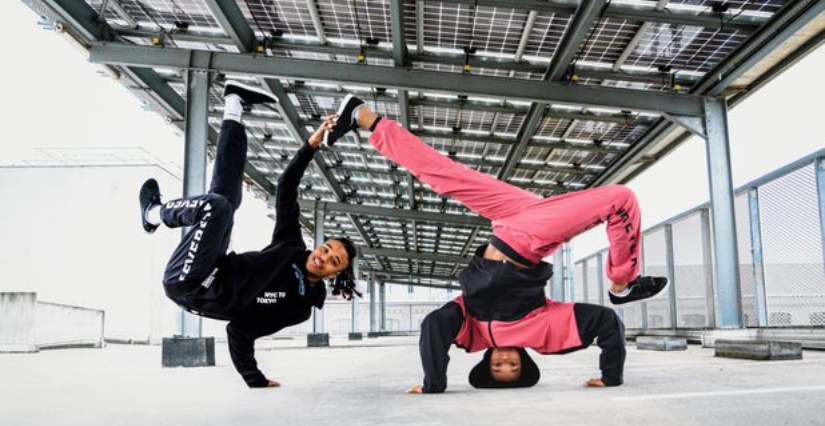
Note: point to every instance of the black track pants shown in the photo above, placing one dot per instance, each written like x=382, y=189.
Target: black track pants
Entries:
x=210, y=216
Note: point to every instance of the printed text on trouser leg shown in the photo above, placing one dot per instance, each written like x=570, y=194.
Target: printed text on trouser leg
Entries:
x=193, y=248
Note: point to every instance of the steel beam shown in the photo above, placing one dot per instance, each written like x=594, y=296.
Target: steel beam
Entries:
x=580, y=26
x=628, y=12
x=761, y=45
x=384, y=212
x=724, y=224
x=287, y=110
x=419, y=26
x=123, y=13
x=637, y=38
x=695, y=125
x=809, y=46
x=496, y=87
x=316, y=21
x=526, y=133
x=402, y=254
x=439, y=286
x=413, y=276
x=83, y=20
x=781, y=27
x=234, y=24
x=476, y=62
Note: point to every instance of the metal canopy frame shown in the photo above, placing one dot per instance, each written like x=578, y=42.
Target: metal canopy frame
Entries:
x=551, y=96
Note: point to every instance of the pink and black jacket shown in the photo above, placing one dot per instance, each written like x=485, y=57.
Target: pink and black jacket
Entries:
x=503, y=306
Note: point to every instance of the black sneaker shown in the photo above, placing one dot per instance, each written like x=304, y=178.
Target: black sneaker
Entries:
x=345, y=121
x=149, y=197
x=640, y=288
x=249, y=95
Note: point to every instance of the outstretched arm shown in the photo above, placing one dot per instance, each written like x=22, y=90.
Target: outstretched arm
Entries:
x=287, y=209
x=242, y=350
x=438, y=330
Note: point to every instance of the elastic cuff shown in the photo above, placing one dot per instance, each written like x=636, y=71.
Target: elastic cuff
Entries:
x=375, y=123
x=612, y=382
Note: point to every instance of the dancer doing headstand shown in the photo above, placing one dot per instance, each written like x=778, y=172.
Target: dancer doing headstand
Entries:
x=503, y=307
x=258, y=292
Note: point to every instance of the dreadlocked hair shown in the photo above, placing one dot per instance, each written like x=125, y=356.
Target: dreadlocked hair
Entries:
x=344, y=283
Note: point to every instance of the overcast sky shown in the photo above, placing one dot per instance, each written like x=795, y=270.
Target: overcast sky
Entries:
x=55, y=99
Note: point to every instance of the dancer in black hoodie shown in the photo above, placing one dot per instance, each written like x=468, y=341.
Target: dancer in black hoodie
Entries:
x=258, y=292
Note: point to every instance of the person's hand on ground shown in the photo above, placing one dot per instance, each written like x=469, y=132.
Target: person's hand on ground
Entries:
x=318, y=137
x=416, y=389
x=273, y=384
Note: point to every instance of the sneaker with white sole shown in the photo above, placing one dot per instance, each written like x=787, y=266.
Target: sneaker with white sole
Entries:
x=249, y=95
x=149, y=197
x=345, y=122
x=639, y=289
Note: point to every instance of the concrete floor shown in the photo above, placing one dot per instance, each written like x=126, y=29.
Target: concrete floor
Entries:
x=363, y=384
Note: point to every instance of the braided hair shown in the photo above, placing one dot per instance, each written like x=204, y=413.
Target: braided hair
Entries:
x=345, y=283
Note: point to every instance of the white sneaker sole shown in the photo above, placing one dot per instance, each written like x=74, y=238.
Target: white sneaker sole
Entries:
x=340, y=110
x=257, y=90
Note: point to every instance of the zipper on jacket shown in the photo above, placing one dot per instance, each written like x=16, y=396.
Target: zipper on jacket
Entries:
x=490, y=330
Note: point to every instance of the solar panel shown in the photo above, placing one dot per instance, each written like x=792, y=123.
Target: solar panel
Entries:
x=571, y=145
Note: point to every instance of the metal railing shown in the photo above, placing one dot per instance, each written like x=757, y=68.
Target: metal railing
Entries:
x=780, y=227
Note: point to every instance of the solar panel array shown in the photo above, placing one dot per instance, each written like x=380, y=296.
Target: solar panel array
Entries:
x=571, y=145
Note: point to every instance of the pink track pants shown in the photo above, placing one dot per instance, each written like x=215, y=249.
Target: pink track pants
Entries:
x=531, y=225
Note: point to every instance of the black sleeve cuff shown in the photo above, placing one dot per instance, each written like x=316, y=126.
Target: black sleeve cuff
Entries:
x=612, y=382
x=258, y=382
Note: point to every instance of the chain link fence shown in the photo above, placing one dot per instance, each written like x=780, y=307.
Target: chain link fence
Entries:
x=780, y=229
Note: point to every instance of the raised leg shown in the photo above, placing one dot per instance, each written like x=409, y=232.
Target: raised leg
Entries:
x=478, y=191
x=211, y=219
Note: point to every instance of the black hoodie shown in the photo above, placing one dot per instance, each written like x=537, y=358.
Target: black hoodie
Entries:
x=261, y=292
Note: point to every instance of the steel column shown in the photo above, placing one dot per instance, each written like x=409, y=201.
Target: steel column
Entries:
x=382, y=300
x=356, y=272
x=600, y=272
x=644, y=303
x=707, y=249
x=820, y=186
x=760, y=293
x=671, y=275
x=196, y=137
x=585, y=298
x=724, y=222
x=318, y=314
x=568, y=271
x=558, y=276
x=372, y=301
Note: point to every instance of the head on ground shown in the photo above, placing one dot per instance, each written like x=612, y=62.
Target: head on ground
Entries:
x=505, y=368
x=333, y=260
x=505, y=365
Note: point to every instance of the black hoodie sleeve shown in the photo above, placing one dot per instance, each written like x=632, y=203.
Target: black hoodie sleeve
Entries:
x=287, y=210
x=438, y=330
x=242, y=350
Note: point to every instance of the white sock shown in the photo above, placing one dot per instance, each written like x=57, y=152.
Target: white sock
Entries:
x=355, y=113
x=622, y=293
x=153, y=215
x=233, y=108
